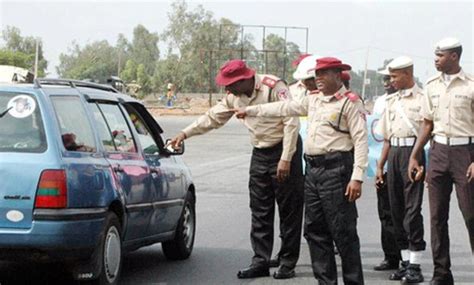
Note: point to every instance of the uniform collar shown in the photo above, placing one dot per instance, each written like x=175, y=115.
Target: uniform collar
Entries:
x=409, y=91
x=338, y=95
x=448, y=78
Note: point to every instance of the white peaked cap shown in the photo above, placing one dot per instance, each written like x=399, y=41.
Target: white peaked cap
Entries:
x=307, y=64
x=400, y=63
x=447, y=44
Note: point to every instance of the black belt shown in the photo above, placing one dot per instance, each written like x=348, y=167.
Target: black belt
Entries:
x=328, y=160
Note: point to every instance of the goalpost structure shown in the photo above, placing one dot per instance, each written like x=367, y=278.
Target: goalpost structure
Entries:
x=212, y=59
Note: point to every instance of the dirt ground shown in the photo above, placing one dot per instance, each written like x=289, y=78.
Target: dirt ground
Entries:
x=186, y=106
x=191, y=105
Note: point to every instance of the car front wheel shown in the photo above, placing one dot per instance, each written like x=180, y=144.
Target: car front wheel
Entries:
x=182, y=245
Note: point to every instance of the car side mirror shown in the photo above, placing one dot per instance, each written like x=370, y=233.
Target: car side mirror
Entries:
x=172, y=150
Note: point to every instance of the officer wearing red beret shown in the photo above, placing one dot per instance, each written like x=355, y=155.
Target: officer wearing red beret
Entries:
x=336, y=153
x=275, y=169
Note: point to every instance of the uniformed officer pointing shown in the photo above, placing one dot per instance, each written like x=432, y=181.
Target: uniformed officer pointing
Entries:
x=275, y=169
x=336, y=153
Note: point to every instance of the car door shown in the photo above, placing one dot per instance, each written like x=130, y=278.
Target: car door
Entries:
x=128, y=164
x=167, y=176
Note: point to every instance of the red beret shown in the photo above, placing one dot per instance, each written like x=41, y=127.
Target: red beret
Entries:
x=233, y=71
x=330, y=63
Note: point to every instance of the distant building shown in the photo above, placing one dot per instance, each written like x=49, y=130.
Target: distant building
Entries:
x=13, y=74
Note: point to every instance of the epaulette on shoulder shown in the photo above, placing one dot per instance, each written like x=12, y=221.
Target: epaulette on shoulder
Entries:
x=270, y=82
x=353, y=97
x=469, y=76
x=433, y=78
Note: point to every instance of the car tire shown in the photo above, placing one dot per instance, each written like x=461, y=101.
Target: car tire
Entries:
x=110, y=254
x=181, y=246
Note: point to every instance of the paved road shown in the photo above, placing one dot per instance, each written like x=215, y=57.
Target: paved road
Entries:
x=219, y=162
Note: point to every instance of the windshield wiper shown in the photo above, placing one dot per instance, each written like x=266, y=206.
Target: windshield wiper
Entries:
x=5, y=112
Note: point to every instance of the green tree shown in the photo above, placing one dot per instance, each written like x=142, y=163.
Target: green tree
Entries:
x=129, y=73
x=96, y=61
x=279, y=56
x=143, y=79
x=144, y=48
x=123, y=52
x=15, y=58
x=14, y=42
x=193, y=39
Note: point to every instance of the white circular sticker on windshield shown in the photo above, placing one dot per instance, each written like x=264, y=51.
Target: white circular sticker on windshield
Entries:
x=21, y=106
x=15, y=216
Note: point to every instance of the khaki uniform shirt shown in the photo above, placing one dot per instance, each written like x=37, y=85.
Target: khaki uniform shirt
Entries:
x=298, y=90
x=323, y=111
x=450, y=105
x=392, y=123
x=264, y=132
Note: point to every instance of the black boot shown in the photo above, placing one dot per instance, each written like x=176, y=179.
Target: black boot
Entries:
x=413, y=274
x=274, y=262
x=253, y=271
x=387, y=264
x=400, y=273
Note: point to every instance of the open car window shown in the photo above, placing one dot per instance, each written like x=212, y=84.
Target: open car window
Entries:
x=113, y=128
x=144, y=131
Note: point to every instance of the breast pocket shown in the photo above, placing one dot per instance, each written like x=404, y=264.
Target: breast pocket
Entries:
x=435, y=104
x=462, y=106
x=414, y=113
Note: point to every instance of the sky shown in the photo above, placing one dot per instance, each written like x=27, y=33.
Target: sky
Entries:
x=358, y=32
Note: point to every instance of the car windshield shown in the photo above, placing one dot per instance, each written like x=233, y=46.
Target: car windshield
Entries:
x=21, y=126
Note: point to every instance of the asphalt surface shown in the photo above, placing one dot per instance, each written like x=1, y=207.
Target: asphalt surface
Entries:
x=219, y=163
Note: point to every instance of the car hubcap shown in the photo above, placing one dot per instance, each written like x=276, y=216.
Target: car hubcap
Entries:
x=112, y=254
x=188, y=226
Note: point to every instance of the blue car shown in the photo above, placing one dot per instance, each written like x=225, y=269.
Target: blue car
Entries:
x=86, y=176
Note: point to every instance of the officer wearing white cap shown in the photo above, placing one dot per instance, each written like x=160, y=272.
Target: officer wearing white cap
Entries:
x=389, y=246
x=399, y=126
x=448, y=112
x=305, y=79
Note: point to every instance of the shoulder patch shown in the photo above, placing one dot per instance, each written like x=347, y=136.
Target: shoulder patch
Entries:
x=283, y=94
x=270, y=82
x=353, y=97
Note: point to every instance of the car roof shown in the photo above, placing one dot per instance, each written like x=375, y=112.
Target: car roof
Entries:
x=90, y=90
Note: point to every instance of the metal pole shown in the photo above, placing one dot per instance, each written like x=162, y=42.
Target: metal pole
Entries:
x=263, y=48
x=119, y=62
x=210, y=79
x=242, y=42
x=365, y=74
x=36, y=58
x=284, y=56
x=307, y=32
